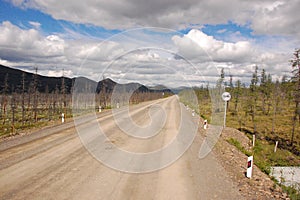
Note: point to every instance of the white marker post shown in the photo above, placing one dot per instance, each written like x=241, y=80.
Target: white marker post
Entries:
x=62, y=117
x=226, y=97
x=99, y=109
x=275, y=148
x=253, y=140
x=205, y=124
x=249, y=167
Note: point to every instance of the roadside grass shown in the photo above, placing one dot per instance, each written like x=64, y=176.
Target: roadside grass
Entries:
x=238, y=145
x=282, y=127
x=265, y=157
x=7, y=130
x=293, y=193
x=44, y=118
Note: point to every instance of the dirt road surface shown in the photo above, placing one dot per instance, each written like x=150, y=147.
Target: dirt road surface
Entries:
x=58, y=166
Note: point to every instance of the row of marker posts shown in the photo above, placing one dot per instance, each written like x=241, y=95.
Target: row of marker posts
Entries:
x=250, y=158
x=100, y=108
x=226, y=97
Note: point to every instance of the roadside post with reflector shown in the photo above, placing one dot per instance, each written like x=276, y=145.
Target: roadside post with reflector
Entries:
x=249, y=167
x=205, y=124
x=62, y=117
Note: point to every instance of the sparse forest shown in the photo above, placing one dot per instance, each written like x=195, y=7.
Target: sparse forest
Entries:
x=25, y=106
x=268, y=108
x=31, y=103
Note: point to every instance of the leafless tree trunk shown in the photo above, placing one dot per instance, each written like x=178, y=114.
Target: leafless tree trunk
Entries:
x=276, y=100
x=55, y=95
x=253, y=98
x=47, y=102
x=63, y=92
x=29, y=112
x=13, y=111
x=4, y=98
x=237, y=94
x=35, y=95
x=23, y=99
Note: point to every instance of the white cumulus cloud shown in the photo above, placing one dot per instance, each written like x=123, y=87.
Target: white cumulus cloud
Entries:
x=196, y=44
x=137, y=56
x=264, y=16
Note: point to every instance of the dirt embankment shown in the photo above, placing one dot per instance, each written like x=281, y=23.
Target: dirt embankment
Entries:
x=260, y=186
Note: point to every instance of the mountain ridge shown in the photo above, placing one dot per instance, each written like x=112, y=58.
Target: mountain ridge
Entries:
x=52, y=84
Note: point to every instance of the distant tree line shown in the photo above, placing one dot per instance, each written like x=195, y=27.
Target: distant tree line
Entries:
x=31, y=103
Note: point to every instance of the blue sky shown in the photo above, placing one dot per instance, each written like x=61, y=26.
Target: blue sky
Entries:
x=21, y=17
x=235, y=35
x=48, y=25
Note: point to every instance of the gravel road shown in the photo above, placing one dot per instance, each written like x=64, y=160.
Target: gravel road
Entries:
x=58, y=166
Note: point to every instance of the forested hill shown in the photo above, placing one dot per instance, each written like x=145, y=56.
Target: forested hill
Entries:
x=13, y=80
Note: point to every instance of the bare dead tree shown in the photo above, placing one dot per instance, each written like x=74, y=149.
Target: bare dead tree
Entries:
x=47, y=102
x=276, y=101
x=23, y=98
x=63, y=92
x=4, y=98
x=104, y=92
x=253, y=98
x=236, y=94
x=263, y=89
x=269, y=86
x=35, y=95
x=13, y=111
x=55, y=97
